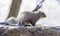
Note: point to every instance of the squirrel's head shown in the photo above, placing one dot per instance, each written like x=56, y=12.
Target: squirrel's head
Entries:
x=42, y=14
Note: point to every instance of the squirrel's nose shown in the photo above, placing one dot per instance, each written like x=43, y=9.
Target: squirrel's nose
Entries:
x=44, y=15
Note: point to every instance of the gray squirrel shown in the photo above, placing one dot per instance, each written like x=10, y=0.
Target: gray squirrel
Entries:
x=30, y=17
x=25, y=18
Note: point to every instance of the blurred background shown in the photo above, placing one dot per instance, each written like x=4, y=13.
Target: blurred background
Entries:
x=50, y=7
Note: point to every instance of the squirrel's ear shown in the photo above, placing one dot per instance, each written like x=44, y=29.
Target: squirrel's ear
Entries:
x=40, y=12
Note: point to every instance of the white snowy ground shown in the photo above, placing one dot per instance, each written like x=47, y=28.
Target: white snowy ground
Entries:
x=50, y=7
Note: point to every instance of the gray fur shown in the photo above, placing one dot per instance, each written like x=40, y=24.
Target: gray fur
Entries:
x=30, y=17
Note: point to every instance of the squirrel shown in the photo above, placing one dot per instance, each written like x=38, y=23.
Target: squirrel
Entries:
x=30, y=17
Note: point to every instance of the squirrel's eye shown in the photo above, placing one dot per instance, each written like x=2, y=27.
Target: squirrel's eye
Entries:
x=43, y=13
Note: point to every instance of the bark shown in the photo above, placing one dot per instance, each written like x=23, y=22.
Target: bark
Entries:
x=14, y=8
